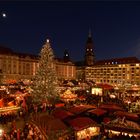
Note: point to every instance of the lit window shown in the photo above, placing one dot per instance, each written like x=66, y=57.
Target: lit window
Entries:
x=87, y=49
x=119, y=65
x=137, y=65
x=90, y=49
x=116, y=62
x=112, y=62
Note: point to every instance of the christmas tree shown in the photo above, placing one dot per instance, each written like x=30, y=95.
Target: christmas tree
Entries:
x=45, y=81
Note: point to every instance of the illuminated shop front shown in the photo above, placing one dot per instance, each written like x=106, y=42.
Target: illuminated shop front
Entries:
x=88, y=132
x=97, y=91
x=84, y=127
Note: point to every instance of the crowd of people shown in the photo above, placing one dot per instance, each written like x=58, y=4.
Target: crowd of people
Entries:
x=7, y=117
x=10, y=119
x=32, y=132
x=29, y=132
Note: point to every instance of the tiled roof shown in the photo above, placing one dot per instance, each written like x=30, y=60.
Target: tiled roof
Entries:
x=126, y=60
x=5, y=50
x=62, y=60
x=80, y=123
x=24, y=55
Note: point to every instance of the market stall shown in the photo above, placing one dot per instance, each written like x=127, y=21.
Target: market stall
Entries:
x=80, y=108
x=123, y=127
x=10, y=108
x=105, y=86
x=111, y=107
x=98, y=112
x=128, y=115
x=61, y=114
x=53, y=127
x=68, y=96
x=84, y=127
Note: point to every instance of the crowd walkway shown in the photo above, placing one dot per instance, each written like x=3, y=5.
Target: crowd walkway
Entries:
x=16, y=130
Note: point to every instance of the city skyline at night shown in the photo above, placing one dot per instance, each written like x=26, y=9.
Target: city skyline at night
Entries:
x=69, y=70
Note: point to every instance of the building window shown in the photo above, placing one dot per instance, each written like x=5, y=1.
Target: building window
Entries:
x=14, y=69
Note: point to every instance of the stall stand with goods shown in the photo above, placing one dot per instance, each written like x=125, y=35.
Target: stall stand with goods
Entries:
x=84, y=127
x=122, y=127
x=88, y=132
x=68, y=96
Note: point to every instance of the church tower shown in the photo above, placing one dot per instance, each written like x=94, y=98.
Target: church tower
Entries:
x=89, y=54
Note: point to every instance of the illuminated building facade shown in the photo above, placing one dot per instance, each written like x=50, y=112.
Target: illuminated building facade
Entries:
x=111, y=71
x=19, y=66
x=65, y=68
x=115, y=71
x=16, y=66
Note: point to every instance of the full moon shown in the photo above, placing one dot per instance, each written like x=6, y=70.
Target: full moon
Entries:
x=4, y=15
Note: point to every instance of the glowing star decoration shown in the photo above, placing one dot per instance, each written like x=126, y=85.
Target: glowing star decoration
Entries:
x=48, y=40
x=4, y=15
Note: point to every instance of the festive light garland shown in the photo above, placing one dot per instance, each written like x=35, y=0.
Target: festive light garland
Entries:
x=11, y=108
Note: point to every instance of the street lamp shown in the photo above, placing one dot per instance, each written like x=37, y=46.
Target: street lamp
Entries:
x=1, y=132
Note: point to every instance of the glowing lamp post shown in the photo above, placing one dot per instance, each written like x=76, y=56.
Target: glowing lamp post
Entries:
x=1, y=132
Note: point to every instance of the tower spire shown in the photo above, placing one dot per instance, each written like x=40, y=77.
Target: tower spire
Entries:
x=89, y=52
x=89, y=33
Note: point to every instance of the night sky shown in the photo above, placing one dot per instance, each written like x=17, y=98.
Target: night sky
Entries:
x=115, y=27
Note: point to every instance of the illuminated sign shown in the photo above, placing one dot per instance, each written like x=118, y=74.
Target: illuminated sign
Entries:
x=97, y=91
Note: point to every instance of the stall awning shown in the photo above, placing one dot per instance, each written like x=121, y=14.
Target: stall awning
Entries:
x=81, y=109
x=51, y=124
x=81, y=123
x=128, y=115
x=98, y=112
x=123, y=125
x=122, y=129
x=61, y=114
x=105, y=86
x=111, y=107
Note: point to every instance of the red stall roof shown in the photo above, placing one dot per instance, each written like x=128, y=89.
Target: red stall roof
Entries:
x=81, y=123
x=98, y=111
x=80, y=109
x=123, y=125
x=111, y=107
x=105, y=86
x=128, y=115
x=61, y=114
x=51, y=124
